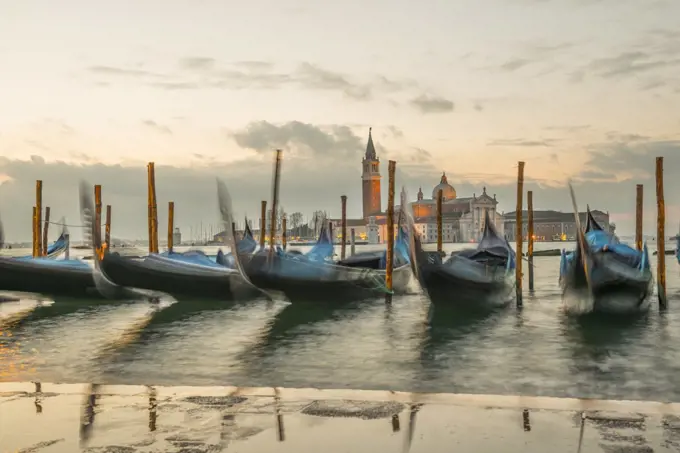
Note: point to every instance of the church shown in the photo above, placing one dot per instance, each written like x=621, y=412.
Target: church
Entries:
x=462, y=218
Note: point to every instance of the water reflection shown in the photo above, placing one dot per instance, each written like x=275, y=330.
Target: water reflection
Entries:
x=88, y=414
x=38, y=398
x=274, y=420
x=153, y=406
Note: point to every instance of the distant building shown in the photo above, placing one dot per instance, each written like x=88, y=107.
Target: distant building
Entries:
x=553, y=225
x=462, y=218
x=221, y=237
x=177, y=237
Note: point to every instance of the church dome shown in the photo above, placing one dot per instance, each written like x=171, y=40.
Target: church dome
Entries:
x=448, y=192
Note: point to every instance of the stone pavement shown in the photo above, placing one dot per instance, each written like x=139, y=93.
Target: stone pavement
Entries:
x=46, y=418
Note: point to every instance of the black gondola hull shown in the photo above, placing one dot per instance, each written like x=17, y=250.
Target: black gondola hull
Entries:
x=175, y=279
x=302, y=280
x=29, y=276
x=614, y=287
x=467, y=289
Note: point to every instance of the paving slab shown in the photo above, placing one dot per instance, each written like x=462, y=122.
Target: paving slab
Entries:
x=55, y=418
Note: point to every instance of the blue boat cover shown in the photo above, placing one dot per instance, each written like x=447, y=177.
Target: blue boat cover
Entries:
x=401, y=251
x=53, y=250
x=195, y=257
x=323, y=249
x=600, y=241
x=46, y=261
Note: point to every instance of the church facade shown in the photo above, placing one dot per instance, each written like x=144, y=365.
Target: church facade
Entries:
x=462, y=218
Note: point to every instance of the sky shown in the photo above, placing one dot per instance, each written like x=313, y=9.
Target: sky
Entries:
x=587, y=90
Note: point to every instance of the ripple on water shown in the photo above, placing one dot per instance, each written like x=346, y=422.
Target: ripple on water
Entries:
x=538, y=350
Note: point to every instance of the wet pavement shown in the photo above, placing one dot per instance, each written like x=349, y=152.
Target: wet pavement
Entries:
x=37, y=417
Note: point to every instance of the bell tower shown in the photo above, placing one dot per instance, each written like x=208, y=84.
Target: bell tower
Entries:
x=370, y=180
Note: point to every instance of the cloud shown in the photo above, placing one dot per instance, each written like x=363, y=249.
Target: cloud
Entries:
x=652, y=60
x=321, y=162
x=569, y=129
x=514, y=64
x=534, y=54
x=524, y=143
x=432, y=104
x=334, y=141
x=197, y=63
x=632, y=63
x=157, y=127
x=199, y=72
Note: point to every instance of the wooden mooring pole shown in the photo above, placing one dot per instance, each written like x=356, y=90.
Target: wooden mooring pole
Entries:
x=171, y=225
x=38, y=206
x=98, y=217
x=263, y=222
x=45, y=231
x=638, y=215
x=343, y=226
x=660, y=236
x=98, y=213
x=153, y=209
x=352, y=239
x=440, y=226
x=519, y=232
x=275, y=203
x=530, y=238
x=284, y=231
x=392, y=167
x=107, y=227
x=35, y=232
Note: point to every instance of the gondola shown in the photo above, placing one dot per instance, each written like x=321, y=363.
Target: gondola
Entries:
x=55, y=249
x=68, y=278
x=183, y=276
x=315, y=277
x=194, y=277
x=611, y=278
x=47, y=276
x=475, y=280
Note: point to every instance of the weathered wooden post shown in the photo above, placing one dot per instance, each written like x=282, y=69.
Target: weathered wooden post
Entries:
x=46, y=228
x=263, y=223
x=154, y=208
x=107, y=227
x=390, y=231
x=343, y=231
x=275, y=203
x=171, y=225
x=38, y=207
x=149, y=201
x=660, y=235
x=639, y=204
x=352, y=239
x=519, y=233
x=284, y=231
x=530, y=238
x=440, y=226
x=98, y=218
x=35, y=232
x=153, y=211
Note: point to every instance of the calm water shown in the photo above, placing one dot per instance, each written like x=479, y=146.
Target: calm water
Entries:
x=537, y=351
